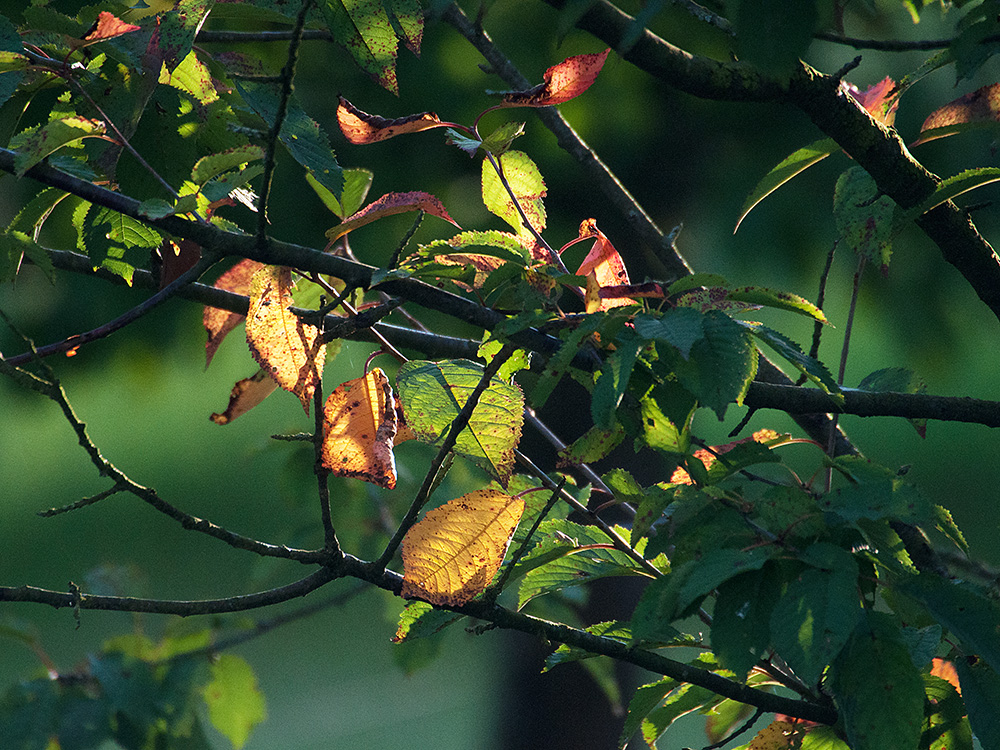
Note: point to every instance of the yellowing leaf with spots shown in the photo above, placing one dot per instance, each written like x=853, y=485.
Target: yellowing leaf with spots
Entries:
x=291, y=350
x=246, y=394
x=359, y=428
x=452, y=554
x=778, y=735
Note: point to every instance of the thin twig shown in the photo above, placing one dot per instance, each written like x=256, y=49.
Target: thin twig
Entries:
x=495, y=590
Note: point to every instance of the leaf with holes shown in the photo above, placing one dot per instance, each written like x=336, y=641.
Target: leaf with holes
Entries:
x=433, y=394
x=361, y=128
x=562, y=82
x=452, y=554
x=389, y=205
x=359, y=429
x=291, y=350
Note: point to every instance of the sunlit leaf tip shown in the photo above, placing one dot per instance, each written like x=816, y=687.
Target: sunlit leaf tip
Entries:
x=361, y=128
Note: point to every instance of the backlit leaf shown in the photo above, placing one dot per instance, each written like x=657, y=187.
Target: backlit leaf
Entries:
x=359, y=428
x=193, y=77
x=356, y=184
x=592, y=446
x=433, y=394
x=218, y=323
x=978, y=109
x=389, y=205
x=952, y=187
x=756, y=295
x=451, y=555
x=645, y=699
x=680, y=702
x=880, y=99
x=210, y=166
x=235, y=703
x=108, y=26
x=812, y=368
x=527, y=184
x=604, y=265
x=361, y=128
x=364, y=28
x=792, y=165
x=52, y=136
x=778, y=735
x=291, y=350
x=562, y=82
x=246, y=394
x=15, y=247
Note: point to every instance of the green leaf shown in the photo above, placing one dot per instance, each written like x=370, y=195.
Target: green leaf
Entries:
x=15, y=246
x=792, y=165
x=496, y=244
x=981, y=692
x=741, y=619
x=645, y=699
x=235, y=703
x=681, y=327
x=10, y=49
x=560, y=361
x=433, y=394
x=208, y=167
x=812, y=368
x=864, y=217
x=952, y=187
x=462, y=141
x=192, y=77
x=593, y=445
x=681, y=701
x=177, y=29
x=67, y=131
x=356, y=184
x=421, y=620
x=757, y=295
x=614, y=630
x=876, y=493
x=823, y=738
x=715, y=568
x=527, y=184
x=305, y=140
x=498, y=142
x=667, y=412
x=876, y=687
x=819, y=610
x=612, y=382
x=363, y=27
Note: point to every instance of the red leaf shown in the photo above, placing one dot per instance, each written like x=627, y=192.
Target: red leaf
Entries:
x=981, y=106
x=218, y=323
x=603, y=267
x=563, y=82
x=108, y=26
x=388, y=205
x=879, y=99
x=361, y=128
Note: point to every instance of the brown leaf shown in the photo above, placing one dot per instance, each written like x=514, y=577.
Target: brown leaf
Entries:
x=361, y=128
x=981, y=107
x=246, y=394
x=289, y=349
x=646, y=289
x=778, y=735
x=563, y=82
x=359, y=428
x=388, y=205
x=218, y=323
x=452, y=554
x=603, y=267
x=108, y=26
x=177, y=257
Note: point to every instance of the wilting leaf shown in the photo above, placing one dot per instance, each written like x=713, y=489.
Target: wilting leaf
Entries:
x=218, y=323
x=527, y=184
x=235, y=703
x=53, y=136
x=177, y=258
x=291, y=350
x=359, y=428
x=562, y=82
x=710, y=458
x=978, y=109
x=603, y=265
x=452, y=554
x=792, y=165
x=246, y=394
x=361, y=128
x=389, y=205
x=433, y=394
x=108, y=26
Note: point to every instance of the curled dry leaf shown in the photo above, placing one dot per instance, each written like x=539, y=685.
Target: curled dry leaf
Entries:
x=562, y=82
x=290, y=349
x=246, y=394
x=361, y=128
x=108, y=26
x=218, y=323
x=452, y=554
x=603, y=267
x=388, y=205
x=359, y=430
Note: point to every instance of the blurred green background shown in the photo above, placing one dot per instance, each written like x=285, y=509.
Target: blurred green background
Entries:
x=145, y=394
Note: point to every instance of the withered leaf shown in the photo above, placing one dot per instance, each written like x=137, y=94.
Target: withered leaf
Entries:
x=359, y=429
x=981, y=107
x=246, y=394
x=388, y=205
x=603, y=267
x=108, y=26
x=562, y=82
x=361, y=128
x=290, y=349
x=452, y=554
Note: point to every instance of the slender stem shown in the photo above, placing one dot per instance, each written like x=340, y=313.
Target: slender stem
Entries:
x=331, y=544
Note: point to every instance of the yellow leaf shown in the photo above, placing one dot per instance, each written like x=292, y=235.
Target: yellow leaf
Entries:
x=778, y=735
x=290, y=350
x=246, y=394
x=359, y=426
x=451, y=555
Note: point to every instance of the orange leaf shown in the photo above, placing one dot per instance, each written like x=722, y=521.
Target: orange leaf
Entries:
x=981, y=106
x=707, y=457
x=946, y=671
x=108, y=26
x=361, y=128
x=603, y=267
x=289, y=349
x=452, y=554
x=218, y=323
x=359, y=427
x=388, y=205
x=563, y=82
x=247, y=393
